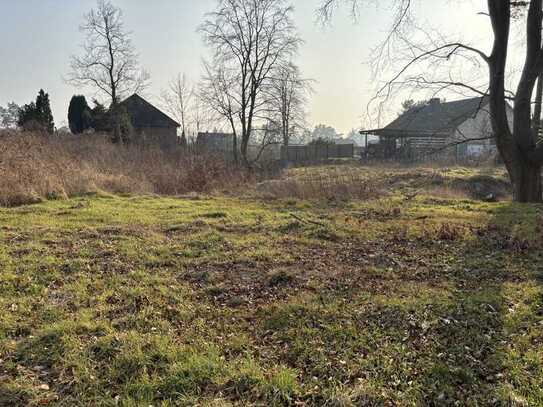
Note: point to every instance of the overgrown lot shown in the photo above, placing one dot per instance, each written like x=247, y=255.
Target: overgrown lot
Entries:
x=419, y=296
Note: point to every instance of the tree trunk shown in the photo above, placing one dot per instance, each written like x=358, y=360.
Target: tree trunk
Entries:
x=514, y=147
x=527, y=183
x=244, y=149
x=235, y=147
x=234, y=140
x=286, y=139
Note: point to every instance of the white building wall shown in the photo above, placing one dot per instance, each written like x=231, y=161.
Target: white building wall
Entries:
x=476, y=128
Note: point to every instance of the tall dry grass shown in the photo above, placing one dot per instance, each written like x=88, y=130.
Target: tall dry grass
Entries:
x=330, y=183
x=34, y=167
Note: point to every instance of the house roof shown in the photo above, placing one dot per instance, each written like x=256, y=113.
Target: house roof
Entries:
x=432, y=119
x=144, y=114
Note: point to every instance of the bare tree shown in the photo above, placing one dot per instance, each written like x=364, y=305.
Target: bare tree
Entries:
x=248, y=39
x=177, y=100
x=217, y=95
x=9, y=115
x=183, y=101
x=109, y=62
x=287, y=98
x=200, y=115
x=518, y=145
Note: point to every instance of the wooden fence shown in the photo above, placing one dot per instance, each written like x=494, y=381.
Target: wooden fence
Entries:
x=316, y=152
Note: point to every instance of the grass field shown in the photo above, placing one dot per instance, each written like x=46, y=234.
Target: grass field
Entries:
x=404, y=298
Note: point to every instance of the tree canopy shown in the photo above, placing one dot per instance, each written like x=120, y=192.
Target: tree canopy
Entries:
x=324, y=132
x=37, y=115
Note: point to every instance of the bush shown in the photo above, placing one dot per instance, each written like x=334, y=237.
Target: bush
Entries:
x=34, y=166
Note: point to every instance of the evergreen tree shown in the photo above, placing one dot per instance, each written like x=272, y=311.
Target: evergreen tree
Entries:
x=121, y=123
x=100, y=118
x=27, y=116
x=45, y=116
x=38, y=115
x=114, y=120
x=79, y=115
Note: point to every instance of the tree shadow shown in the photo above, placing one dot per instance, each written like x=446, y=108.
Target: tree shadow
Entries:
x=463, y=329
x=486, y=343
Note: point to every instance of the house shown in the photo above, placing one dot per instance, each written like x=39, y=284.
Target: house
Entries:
x=460, y=130
x=150, y=124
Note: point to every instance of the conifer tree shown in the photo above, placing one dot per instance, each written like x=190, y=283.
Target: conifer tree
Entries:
x=37, y=115
x=79, y=115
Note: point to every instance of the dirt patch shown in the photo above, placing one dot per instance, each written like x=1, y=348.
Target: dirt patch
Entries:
x=243, y=283
x=346, y=266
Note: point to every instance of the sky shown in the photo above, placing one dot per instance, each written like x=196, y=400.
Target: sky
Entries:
x=39, y=36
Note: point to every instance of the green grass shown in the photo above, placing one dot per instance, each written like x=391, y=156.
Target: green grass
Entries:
x=221, y=301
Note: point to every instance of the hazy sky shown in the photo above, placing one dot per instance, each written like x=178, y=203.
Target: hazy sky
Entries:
x=38, y=37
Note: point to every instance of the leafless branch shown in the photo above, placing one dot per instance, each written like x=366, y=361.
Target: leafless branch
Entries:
x=109, y=62
x=248, y=40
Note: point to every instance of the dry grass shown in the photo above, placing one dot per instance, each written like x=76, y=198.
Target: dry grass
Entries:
x=352, y=182
x=34, y=167
x=447, y=192
x=342, y=183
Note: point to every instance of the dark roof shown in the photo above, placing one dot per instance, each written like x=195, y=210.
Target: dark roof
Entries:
x=144, y=114
x=433, y=118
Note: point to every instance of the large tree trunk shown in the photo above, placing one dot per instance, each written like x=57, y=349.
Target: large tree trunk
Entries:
x=515, y=146
x=527, y=182
x=527, y=185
